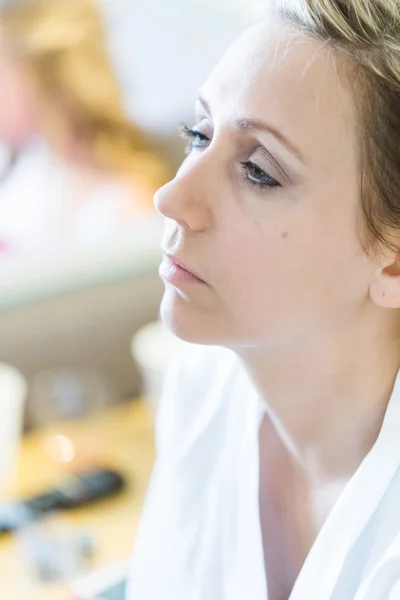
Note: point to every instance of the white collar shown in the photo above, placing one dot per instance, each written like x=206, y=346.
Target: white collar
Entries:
x=353, y=510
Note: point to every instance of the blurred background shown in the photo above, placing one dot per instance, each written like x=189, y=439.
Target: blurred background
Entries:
x=92, y=95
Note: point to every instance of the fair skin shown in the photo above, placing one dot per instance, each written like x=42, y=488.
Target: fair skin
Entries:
x=27, y=112
x=18, y=114
x=285, y=280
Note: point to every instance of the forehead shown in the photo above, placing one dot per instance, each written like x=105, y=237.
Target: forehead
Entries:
x=290, y=80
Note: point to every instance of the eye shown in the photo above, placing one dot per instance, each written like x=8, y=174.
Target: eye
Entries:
x=257, y=177
x=194, y=138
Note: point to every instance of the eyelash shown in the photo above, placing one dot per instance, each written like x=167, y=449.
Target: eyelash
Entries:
x=196, y=139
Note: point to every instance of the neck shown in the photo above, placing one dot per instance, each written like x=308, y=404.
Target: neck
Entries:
x=327, y=398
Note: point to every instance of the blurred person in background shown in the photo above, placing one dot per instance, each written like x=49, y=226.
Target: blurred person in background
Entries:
x=79, y=169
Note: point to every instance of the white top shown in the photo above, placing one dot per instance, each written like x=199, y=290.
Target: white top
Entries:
x=43, y=209
x=200, y=534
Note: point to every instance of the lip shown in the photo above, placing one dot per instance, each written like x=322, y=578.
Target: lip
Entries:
x=176, y=272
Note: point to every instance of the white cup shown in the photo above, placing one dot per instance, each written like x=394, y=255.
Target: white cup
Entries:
x=152, y=348
x=13, y=392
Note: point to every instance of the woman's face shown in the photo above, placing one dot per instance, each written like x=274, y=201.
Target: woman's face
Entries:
x=265, y=209
x=17, y=105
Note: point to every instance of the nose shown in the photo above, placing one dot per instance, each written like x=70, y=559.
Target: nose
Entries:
x=186, y=199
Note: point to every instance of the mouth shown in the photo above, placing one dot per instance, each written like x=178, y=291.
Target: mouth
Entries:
x=174, y=271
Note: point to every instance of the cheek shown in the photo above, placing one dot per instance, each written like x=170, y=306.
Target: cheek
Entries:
x=259, y=267
x=16, y=104
x=301, y=274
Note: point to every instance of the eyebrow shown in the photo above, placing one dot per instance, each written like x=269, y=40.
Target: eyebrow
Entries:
x=248, y=124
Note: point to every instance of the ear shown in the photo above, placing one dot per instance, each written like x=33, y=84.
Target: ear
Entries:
x=385, y=286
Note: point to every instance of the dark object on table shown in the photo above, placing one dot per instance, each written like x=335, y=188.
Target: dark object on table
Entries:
x=79, y=490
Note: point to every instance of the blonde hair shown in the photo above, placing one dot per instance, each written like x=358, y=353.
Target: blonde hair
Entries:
x=63, y=46
x=367, y=33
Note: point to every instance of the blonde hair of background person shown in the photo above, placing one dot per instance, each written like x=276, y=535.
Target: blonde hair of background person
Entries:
x=279, y=454
x=62, y=48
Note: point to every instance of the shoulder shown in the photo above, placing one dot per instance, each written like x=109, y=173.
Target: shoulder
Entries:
x=196, y=386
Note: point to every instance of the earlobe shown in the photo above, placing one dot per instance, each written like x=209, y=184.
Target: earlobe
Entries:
x=385, y=287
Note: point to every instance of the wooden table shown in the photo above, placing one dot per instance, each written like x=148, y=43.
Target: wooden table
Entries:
x=121, y=437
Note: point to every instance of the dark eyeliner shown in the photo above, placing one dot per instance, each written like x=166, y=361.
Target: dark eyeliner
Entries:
x=252, y=174
x=255, y=176
x=195, y=138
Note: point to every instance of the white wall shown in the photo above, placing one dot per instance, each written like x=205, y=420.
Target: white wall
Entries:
x=164, y=50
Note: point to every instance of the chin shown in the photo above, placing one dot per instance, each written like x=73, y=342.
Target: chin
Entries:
x=189, y=323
